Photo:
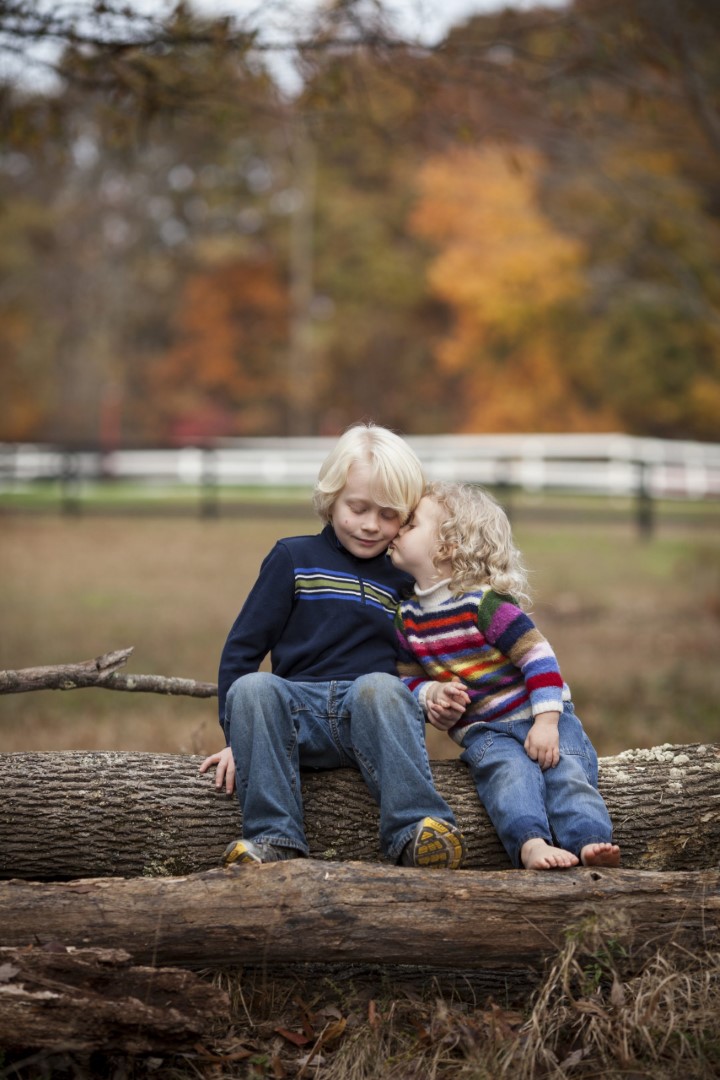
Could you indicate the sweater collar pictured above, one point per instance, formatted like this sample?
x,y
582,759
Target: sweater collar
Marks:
x,y
434,596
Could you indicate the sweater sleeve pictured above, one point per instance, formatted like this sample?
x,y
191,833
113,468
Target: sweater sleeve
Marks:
x,y
515,635
409,669
260,622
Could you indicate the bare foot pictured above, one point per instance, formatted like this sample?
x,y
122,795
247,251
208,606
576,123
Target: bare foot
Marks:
x,y
536,854
600,855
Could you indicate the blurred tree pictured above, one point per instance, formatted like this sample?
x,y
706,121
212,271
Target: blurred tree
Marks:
x,y
132,204
163,172
621,101
507,273
223,372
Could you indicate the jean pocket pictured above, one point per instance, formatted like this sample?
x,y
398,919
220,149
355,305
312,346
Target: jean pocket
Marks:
x,y
478,748
572,738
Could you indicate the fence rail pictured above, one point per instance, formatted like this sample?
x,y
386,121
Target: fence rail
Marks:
x,y
611,465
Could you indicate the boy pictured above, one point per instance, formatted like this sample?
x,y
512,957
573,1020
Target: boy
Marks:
x,y
323,607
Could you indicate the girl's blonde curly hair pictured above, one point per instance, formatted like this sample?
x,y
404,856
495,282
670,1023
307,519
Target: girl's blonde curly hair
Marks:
x,y
475,535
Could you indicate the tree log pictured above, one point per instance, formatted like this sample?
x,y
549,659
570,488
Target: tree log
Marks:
x,y
74,814
96,999
309,910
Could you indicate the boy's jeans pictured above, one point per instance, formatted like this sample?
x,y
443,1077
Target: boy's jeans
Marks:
x,y
373,724
561,805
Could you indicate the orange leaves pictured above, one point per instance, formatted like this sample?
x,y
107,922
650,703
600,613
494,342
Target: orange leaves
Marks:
x,y
331,1023
500,260
503,269
227,318
230,333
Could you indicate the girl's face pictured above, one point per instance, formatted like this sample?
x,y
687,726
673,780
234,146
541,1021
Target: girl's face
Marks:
x,y
418,542
362,526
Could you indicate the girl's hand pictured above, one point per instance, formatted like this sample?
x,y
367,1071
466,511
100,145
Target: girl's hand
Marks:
x,y
543,741
445,703
225,771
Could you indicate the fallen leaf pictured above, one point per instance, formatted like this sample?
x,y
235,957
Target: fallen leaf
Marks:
x,y
295,1037
237,1055
332,1032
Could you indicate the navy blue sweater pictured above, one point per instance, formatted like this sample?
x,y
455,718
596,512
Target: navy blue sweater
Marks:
x,y
319,611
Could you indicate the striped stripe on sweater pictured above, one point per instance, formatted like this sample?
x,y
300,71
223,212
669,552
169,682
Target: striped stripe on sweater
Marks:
x,y
508,668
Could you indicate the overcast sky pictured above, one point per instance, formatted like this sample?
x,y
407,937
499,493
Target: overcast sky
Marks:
x,y
427,21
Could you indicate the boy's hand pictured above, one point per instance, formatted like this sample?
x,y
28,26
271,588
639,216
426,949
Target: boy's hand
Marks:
x,y
543,741
225,769
445,703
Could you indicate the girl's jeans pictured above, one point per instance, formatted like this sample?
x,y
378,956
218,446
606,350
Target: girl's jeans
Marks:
x,y
560,805
373,724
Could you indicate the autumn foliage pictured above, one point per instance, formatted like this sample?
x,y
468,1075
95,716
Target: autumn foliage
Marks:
x,y
515,230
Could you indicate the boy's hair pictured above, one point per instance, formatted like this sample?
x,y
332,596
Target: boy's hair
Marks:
x,y
476,536
396,480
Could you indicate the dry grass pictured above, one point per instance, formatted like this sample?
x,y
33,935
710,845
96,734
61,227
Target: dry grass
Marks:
x,y
636,625
604,1009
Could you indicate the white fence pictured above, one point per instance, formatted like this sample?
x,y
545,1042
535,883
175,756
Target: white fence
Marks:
x,y
597,464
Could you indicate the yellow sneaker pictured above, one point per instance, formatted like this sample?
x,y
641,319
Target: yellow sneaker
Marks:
x,y
435,844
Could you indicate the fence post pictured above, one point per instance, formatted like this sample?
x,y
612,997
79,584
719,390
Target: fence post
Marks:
x,y
644,508
209,501
504,486
70,482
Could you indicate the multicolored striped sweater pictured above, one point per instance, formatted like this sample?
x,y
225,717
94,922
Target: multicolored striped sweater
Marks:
x,y
508,668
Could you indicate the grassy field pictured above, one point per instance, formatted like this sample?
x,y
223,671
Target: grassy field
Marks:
x,y
636,624
637,628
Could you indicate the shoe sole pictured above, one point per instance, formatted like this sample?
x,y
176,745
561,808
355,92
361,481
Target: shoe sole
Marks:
x,y
237,853
438,846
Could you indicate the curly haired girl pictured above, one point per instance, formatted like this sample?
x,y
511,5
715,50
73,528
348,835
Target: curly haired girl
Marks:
x,y
483,672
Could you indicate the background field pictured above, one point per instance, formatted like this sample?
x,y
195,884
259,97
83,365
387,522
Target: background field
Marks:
x,y
636,624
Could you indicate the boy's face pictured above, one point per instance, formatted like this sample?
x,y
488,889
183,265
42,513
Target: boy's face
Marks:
x,y
363,527
418,542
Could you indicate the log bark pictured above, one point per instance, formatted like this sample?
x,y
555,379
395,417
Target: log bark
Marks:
x,y
91,814
309,910
100,673
96,999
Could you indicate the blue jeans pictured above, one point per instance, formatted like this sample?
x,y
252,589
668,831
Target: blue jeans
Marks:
x,y
561,805
373,724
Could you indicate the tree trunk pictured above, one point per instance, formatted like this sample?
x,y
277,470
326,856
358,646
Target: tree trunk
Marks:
x,y
76,814
96,999
309,910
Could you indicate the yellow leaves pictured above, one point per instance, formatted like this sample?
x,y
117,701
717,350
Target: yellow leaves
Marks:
x,y
500,259
502,268
530,392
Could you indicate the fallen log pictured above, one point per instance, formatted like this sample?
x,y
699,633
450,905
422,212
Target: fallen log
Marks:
x,y
68,999
78,814
309,910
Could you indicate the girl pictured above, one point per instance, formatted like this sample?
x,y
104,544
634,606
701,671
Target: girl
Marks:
x,y
482,671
